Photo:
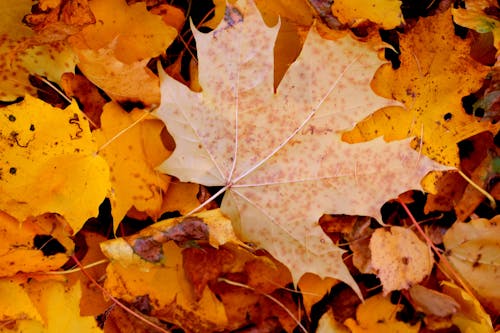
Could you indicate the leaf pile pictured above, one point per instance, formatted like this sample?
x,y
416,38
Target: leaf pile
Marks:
x,y
266,174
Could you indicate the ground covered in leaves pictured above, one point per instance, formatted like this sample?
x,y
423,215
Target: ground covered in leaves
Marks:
x,y
277,166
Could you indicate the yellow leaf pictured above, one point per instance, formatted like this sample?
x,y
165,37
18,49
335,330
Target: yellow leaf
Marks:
x,y
19,251
48,163
16,304
181,197
378,314
43,307
59,307
399,258
135,183
471,318
434,62
385,13
50,60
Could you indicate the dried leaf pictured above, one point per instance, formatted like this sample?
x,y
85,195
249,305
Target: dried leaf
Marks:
x,y
399,258
237,133
48,163
472,248
432,302
17,62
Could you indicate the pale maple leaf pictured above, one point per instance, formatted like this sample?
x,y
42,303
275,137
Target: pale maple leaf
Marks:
x,y
279,156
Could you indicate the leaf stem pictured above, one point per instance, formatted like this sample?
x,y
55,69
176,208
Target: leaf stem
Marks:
x,y
481,190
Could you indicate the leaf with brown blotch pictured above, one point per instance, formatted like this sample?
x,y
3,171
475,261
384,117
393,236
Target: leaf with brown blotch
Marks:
x,y
279,156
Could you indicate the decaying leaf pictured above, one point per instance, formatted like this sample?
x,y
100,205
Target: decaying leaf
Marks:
x,y
280,156
378,314
434,62
48,163
432,302
134,181
399,258
17,61
472,248
385,13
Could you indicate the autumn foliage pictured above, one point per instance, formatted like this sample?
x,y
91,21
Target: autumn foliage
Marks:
x,y
267,166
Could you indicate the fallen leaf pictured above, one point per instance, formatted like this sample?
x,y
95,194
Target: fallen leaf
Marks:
x,y
237,133
471,317
39,244
474,16
472,249
45,307
92,301
432,302
57,21
313,289
134,181
433,62
172,296
114,53
17,62
385,13
49,163
378,314
328,324
181,197
399,258
91,100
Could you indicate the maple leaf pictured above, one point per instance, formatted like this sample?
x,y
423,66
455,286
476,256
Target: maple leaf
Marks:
x,y
134,181
279,156
386,13
48,163
114,54
433,62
